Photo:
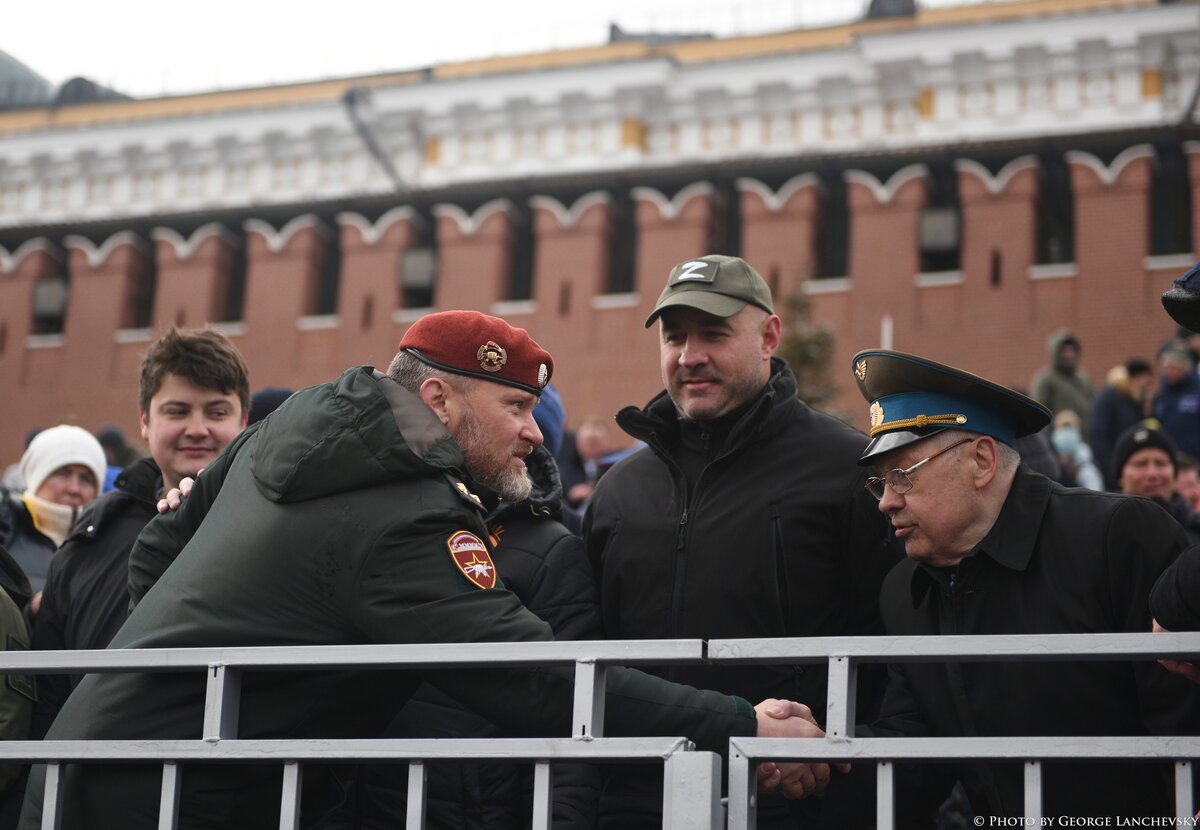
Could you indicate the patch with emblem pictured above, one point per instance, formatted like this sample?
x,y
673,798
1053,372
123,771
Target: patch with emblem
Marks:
x,y
876,415
860,369
471,556
491,356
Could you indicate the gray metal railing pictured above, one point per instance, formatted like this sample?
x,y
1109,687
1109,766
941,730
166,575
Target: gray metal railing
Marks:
x,y
692,781
845,654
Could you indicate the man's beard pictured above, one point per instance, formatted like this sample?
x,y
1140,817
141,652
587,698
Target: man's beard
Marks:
x,y
490,466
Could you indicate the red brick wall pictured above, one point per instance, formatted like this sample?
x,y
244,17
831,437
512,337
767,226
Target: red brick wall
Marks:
x,y
605,358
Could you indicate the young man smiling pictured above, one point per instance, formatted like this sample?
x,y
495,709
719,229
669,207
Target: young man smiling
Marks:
x,y
193,398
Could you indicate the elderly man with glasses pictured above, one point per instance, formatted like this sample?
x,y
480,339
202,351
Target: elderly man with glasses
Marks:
x,y
995,548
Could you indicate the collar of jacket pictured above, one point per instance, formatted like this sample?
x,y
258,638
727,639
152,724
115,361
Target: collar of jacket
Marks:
x,y
545,500
658,422
1011,540
140,482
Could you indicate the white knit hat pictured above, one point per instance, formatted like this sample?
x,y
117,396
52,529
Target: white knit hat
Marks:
x,y
57,447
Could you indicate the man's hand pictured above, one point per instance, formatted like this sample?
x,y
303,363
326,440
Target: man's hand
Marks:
x,y
787,719
175,497
1185,667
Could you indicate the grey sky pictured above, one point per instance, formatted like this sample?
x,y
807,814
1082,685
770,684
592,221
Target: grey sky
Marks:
x,y
147,48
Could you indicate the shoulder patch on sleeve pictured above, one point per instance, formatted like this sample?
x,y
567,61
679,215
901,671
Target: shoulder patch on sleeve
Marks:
x,y
471,556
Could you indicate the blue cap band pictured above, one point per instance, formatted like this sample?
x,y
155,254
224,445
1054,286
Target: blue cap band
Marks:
x,y
923,410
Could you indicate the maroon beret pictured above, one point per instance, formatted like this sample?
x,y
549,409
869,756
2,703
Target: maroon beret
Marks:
x,y
474,344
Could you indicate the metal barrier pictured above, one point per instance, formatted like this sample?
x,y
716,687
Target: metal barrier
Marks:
x,y
692,781
844,655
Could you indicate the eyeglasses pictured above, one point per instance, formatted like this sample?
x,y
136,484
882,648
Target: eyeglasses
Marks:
x,y
899,479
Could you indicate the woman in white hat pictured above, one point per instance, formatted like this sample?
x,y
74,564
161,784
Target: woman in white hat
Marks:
x,y
63,468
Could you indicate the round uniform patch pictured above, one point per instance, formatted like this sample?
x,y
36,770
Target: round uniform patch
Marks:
x,y
471,556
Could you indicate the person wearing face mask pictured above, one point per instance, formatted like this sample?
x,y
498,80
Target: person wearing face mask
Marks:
x,y
1074,455
63,468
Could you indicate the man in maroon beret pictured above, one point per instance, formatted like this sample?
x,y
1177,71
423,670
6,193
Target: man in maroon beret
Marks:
x,y
354,514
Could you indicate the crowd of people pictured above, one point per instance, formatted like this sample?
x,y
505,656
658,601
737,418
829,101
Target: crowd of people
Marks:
x,y
443,499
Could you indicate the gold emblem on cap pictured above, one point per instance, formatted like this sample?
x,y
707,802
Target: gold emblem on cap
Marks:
x,y
492,357
543,376
876,415
860,369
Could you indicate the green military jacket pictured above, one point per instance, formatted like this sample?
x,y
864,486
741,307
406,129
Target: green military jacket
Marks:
x,y
342,518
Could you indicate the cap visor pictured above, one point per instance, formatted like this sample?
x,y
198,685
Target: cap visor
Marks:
x,y
889,441
1183,306
712,303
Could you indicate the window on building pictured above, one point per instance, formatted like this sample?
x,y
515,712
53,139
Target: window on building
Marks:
x,y
1170,202
232,305
622,251
831,238
140,285
329,274
418,266
50,295
725,236
1055,211
939,230
523,253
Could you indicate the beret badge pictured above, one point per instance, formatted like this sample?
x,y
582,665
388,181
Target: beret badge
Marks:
x,y
543,376
492,357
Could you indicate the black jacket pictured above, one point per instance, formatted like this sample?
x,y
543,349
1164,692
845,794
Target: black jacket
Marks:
x,y
779,539
29,547
86,598
1057,560
544,565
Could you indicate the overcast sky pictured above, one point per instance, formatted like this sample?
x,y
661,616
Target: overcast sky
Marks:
x,y
152,47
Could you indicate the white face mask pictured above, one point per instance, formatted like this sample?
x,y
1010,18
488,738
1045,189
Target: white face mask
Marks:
x,y
1066,440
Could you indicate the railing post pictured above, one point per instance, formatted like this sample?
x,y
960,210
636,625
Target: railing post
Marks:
x,y
1185,804
415,816
589,700
168,802
692,791
221,701
743,790
543,796
885,795
1033,790
841,702
289,806
52,801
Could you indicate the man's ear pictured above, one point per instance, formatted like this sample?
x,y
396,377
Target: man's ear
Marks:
x,y
772,333
987,460
143,426
436,394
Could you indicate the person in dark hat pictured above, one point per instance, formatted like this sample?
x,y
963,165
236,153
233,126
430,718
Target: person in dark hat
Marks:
x,y
994,548
1147,464
265,401
355,514
743,516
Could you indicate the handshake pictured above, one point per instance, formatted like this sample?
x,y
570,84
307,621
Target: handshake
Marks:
x,y
787,719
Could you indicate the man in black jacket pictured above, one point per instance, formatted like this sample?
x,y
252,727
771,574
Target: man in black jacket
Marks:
x,y
995,548
193,398
745,516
